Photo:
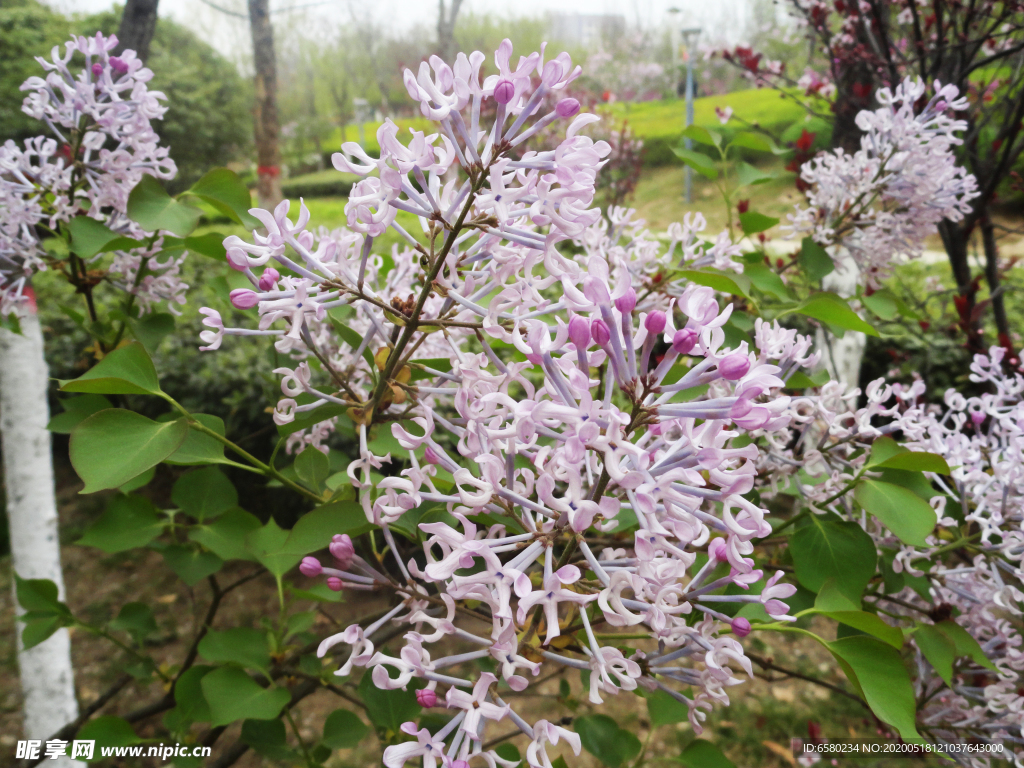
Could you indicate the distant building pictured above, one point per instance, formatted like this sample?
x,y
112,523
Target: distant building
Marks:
x,y
586,30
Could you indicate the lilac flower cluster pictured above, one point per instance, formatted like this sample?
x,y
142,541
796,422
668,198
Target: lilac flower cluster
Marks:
x,y
100,145
573,417
979,504
886,198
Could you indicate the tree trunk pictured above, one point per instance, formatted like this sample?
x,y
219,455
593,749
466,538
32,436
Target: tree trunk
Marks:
x,y
266,128
446,30
47,679
988,239
138,23
956,242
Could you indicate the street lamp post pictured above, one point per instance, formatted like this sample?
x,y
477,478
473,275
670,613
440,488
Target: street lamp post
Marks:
x,y
688,35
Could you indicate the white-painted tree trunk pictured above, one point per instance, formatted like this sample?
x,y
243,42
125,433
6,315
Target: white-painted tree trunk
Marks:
x,y
47,679
842,357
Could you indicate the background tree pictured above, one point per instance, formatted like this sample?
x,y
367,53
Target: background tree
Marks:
x,y
267,129
977,47
138,23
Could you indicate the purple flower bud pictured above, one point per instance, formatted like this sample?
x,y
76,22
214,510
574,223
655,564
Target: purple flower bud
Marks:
x,y
655,322
118,64
334,584
460,764
342,550
740,627
311,567
431,457
97,69
600,332
977,417
579,332
718,550
504,91
243,298
567,107
684,341
426,697
734,366
627,302
269,278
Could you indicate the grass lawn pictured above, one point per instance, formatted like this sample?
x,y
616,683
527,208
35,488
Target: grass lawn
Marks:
x,y
650,119
764,106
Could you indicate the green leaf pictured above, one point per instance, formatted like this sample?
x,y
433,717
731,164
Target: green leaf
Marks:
x,y
233,695
312,467
703,136
510,752
199,447
753,222
190,703
884,680
39,596
38,629
125,371
900,510
111,447
224,190
315,529
268,545
226,536
830,548
831,598
204,493
870,624
736,284
76,410
602,737
128,522
964,644
153,209
389,709
800,380
917,461
210,244
883,449
815,260
664,709
700,162
192,565
938,649
136,619
108,731
349,336
882,304
318,593
746,175
139,481
152,329
756,141
267,738
89,237
343,729
704,754
831,309
240,645
766,281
